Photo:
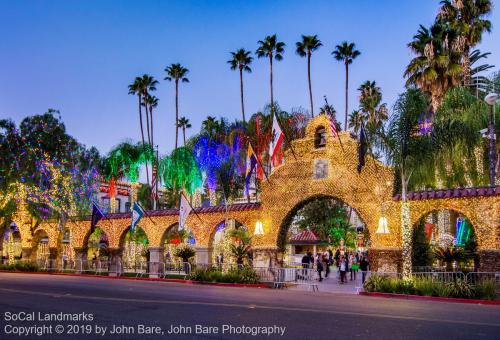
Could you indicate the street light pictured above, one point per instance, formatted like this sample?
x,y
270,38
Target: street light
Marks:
x,y
491,99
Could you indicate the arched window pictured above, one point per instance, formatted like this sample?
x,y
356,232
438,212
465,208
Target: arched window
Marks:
x,y
320,137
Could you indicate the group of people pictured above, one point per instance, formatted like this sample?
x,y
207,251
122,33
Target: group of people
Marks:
x,y
346,262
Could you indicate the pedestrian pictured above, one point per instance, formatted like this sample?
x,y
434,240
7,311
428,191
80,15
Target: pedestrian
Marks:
x,y
325,263
330,256
363,265
342,268
353,266
306,260
319,266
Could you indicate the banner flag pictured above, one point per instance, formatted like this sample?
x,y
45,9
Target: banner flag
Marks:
x,y
137,213
184,210
251,164
97,215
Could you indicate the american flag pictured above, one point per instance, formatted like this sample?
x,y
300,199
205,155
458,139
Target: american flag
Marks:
x,y
332,123
154,182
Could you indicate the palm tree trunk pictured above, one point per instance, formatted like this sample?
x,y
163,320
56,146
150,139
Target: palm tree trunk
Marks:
x,y
241,95
271,80
466,68
184,135
147,124
176,112
309,79
142,132
346,94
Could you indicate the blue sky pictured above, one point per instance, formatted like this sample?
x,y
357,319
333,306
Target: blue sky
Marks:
x,y
79,57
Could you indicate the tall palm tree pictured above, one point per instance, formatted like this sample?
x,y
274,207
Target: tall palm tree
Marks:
x,y
346,52
176,73
135,89
370,104
184,124
436,66
241,60
467,18
147,85
151,102
271,48
305,48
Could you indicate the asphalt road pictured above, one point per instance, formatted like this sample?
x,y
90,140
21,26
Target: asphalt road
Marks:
x,y
136,307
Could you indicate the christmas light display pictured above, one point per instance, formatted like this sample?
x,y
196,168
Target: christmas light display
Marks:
x,y
179,171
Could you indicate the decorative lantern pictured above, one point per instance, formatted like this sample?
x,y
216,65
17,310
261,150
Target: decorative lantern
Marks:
x,y
259,228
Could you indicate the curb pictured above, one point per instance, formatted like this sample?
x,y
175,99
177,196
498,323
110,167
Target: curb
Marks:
x,y
431,298
220,284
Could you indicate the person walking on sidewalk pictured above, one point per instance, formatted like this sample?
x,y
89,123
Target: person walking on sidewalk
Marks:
x,y
363,265
343,269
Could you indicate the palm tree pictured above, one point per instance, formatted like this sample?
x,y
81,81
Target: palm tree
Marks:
x,y
305,48
270,47
147,85
466,17
408,155
356,120
370,98
241,60
176,73
184,124
436,67
346,53
135,89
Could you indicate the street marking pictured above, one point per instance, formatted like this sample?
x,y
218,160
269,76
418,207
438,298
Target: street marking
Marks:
x,y
246,306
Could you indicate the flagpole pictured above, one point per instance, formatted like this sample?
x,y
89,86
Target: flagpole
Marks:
x,y
330,113
286,138
192,209
259,162
145,213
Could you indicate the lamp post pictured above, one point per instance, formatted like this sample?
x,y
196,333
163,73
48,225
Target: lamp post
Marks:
x,y
491,99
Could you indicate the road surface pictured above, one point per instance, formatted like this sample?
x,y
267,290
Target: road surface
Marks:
x,y
43,306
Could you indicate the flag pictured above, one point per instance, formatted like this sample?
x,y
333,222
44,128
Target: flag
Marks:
x,y
276,140
154,181
137,213
251,164
184,210
333,127
362,148
97,215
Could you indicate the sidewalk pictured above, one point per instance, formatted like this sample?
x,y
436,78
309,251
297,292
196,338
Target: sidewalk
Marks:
x,y
332,284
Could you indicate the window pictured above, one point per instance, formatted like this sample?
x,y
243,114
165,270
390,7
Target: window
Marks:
x,y
118,205
320,137
127,206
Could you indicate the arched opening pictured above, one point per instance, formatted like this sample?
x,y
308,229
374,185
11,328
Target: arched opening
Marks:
x,y
322,225
444,240
230,244
11,244
97,245
178,244
320,137
135,248
41,251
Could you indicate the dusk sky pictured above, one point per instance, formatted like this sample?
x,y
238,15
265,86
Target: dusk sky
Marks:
x,y
79,56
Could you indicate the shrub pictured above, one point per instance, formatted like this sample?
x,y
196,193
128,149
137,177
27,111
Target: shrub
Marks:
x,y
460,289
486,289
235,275
425,287
20,266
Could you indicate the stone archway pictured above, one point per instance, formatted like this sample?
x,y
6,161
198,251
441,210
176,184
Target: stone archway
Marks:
x,y
329,171
220,241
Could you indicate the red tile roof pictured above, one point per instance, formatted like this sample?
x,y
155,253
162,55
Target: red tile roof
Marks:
x,y
305,237
203,210
451,193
